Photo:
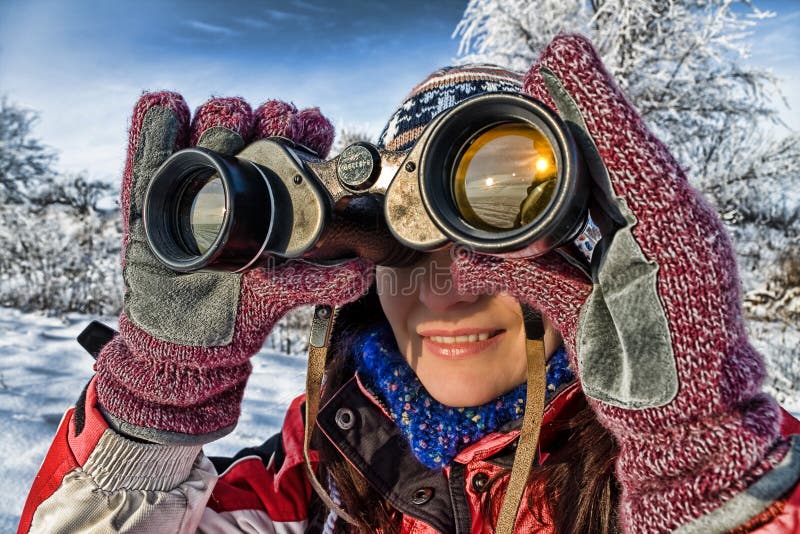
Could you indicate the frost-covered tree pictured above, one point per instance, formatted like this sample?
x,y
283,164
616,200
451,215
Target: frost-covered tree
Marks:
x,y
58,251
73,190
347,135
682,64
24,160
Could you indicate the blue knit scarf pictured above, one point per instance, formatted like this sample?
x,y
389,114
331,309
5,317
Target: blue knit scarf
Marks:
x,y
435,432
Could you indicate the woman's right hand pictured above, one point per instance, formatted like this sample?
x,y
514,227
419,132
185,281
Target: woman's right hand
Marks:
x,y
658,335
176,371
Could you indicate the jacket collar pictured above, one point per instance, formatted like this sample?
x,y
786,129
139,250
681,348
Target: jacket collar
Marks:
x,y
354,422
364,434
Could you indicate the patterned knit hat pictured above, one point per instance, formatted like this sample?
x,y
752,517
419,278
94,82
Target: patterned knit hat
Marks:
x,y
439,92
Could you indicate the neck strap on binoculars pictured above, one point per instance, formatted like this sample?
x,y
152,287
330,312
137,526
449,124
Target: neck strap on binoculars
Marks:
x,y
319,340
321,328
531,421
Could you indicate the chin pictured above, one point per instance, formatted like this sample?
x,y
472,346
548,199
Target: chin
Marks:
x,y
461,393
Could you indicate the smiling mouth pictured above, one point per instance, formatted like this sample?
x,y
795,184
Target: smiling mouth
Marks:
x,y
478,336
463,346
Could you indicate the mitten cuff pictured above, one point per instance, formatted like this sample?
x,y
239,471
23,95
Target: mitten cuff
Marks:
x,y
118,462
682,474
755,499
164,423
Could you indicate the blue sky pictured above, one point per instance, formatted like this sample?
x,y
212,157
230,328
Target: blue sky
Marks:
x,y
83,64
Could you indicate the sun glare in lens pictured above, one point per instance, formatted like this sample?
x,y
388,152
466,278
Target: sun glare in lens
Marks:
x,y
208,212
505,178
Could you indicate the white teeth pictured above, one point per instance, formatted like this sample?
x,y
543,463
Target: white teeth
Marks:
x,y
461,339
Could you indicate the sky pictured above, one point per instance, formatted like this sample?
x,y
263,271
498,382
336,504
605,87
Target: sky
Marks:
x,y
83,64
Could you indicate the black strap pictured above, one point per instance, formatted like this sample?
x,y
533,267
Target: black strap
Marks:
x,y
272,448
95,336
79,417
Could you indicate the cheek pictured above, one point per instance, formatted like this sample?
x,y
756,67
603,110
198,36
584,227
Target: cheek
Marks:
x,y
396,306
509,306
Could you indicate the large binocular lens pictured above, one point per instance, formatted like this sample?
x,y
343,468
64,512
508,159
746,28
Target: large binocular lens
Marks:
x,y
505,178
500,173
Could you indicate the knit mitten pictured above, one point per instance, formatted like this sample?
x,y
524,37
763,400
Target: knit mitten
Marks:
x,y
658,334
176,371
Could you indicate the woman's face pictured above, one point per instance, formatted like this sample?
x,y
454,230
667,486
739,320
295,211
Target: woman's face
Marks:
x,y
466,349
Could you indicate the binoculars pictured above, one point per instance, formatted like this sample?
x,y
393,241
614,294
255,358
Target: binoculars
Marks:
x,y
497,173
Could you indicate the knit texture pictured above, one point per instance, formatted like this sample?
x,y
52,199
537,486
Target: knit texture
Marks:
x,y
308,127
195,390
721,433
435,432
233,113
439,92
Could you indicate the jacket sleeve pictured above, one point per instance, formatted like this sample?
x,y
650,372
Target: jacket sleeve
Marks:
x,y
96,480
265,488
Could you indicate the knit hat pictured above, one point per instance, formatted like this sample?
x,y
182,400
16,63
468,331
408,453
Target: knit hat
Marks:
x,y
439,92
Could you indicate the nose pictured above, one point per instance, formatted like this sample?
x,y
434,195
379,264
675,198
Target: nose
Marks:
x,y
437,291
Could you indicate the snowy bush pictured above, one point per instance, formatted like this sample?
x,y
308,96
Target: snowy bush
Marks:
x,y
58,251
60,257
290,334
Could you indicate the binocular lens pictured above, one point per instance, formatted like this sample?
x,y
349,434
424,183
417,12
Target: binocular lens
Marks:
x,y
505,177
207,209
207,213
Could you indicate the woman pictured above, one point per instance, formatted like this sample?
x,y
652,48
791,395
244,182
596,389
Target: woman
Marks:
x,y
665,429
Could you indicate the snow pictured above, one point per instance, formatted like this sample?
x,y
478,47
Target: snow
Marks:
x,y
43,369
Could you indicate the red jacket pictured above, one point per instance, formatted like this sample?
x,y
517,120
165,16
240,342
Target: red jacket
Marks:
x,y
93,476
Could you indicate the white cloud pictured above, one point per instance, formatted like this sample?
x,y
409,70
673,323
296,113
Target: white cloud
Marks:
x,y
212,29
279,15
253,23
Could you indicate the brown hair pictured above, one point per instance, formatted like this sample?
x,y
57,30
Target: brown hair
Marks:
x,y
575,489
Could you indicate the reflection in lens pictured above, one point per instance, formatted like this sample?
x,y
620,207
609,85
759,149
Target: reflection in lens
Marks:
x,y
505,178
207,213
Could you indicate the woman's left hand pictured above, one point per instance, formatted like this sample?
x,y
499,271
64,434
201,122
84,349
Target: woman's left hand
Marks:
x,y
659,336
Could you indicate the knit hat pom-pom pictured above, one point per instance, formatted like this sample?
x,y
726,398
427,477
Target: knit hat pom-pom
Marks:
x,y
275,117
313,130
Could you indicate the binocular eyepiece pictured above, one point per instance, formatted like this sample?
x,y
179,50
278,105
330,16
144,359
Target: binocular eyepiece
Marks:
x,y
498,173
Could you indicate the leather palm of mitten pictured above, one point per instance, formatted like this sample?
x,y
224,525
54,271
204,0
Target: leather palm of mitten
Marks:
x,y
176,371
658,333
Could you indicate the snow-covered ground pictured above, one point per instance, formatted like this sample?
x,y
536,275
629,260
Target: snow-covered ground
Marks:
x,y
43,370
